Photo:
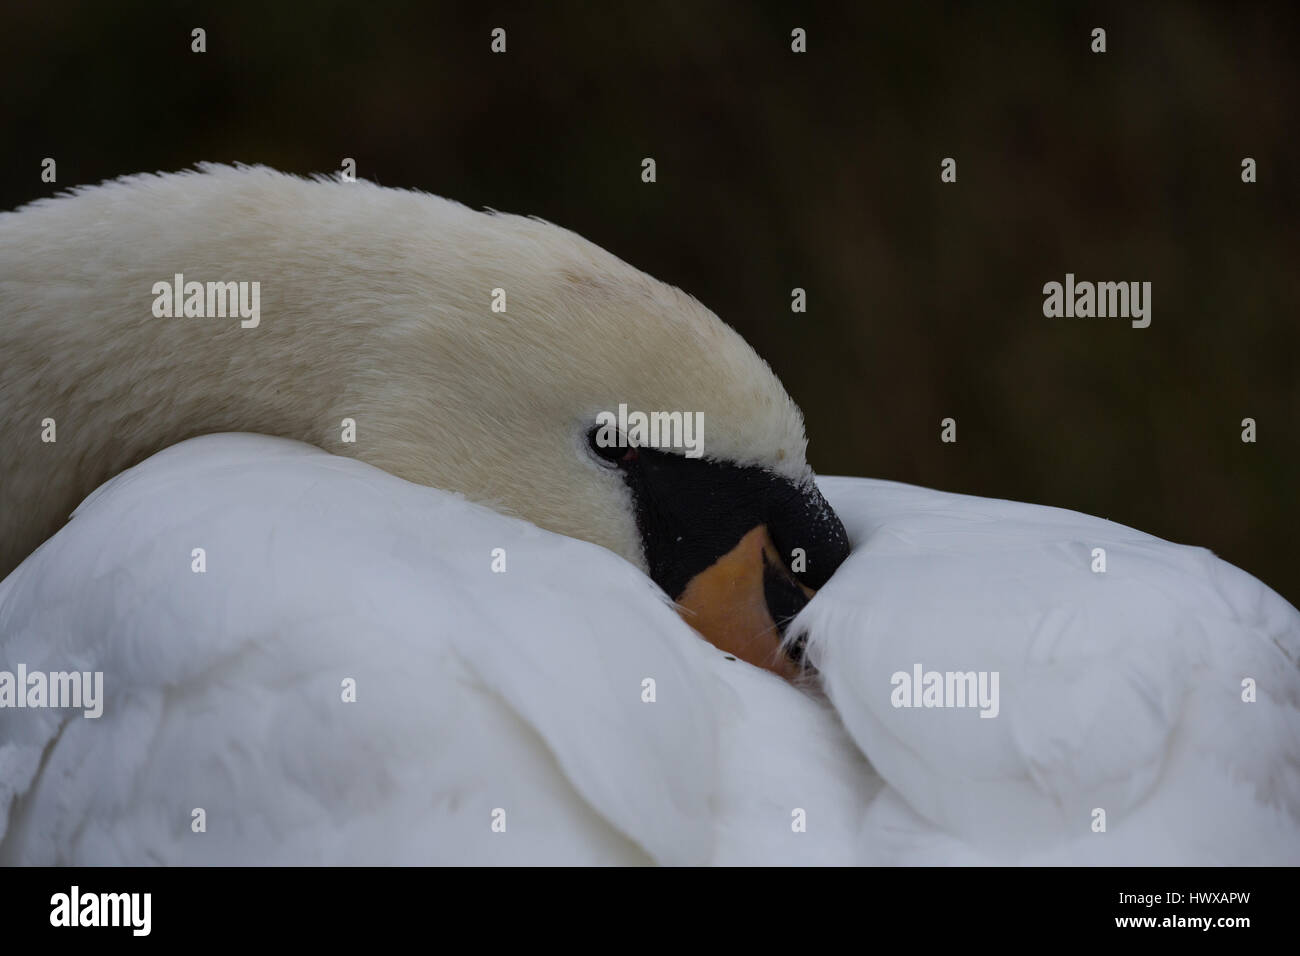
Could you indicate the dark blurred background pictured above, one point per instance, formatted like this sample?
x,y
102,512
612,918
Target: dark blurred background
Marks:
x,y
819,170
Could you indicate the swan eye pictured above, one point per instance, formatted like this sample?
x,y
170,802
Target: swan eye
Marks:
x,y
619,454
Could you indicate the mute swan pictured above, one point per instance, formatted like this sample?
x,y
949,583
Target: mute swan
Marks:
x,y
377,322
450,641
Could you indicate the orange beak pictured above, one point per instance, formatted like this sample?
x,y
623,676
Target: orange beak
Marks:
x,y
729,603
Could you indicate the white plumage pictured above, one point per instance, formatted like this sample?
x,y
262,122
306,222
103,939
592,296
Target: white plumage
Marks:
x,y
523,697
1120,691
474,690
523,690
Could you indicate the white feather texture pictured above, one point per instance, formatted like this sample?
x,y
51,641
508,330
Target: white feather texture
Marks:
x,y
524,690
224,688
1119,690
476,690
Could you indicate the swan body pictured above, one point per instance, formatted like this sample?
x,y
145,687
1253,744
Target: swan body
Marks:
x,y
523,691
223,688
1121,690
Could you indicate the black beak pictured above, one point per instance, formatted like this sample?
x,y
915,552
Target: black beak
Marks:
x,y
740,549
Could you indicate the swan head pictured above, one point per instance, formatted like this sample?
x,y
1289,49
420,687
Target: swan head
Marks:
x,y
497,356
602,404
